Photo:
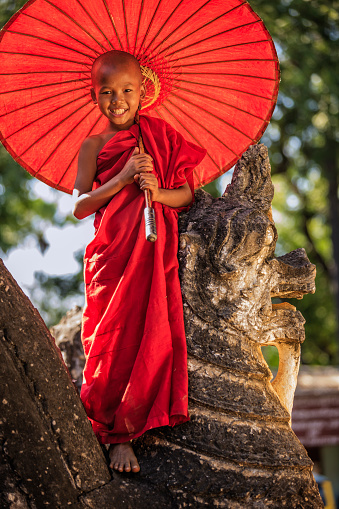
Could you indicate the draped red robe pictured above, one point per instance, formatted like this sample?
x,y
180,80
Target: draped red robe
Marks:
x,y
133,335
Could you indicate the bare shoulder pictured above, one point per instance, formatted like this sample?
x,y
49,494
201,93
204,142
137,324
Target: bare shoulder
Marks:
x,y
87,166
91,145
87,160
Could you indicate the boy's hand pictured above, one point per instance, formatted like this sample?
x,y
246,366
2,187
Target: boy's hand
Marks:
x,y
149,181
136,164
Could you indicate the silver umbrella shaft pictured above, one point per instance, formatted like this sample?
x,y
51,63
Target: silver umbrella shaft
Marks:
x,y
150,225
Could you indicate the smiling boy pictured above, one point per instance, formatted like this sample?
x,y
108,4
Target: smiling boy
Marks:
x,y
118,91
135,376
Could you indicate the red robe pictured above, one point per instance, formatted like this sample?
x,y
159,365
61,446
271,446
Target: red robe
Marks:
x,y
133,335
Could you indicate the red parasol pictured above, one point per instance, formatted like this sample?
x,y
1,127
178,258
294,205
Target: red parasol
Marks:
x,y
210,69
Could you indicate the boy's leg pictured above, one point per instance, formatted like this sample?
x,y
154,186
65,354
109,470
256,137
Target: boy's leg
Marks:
x,y
122,457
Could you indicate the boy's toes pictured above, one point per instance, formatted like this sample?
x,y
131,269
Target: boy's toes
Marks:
x,y
123,458
135,466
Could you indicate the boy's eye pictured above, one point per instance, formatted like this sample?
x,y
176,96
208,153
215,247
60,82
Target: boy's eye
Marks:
x,y
128,90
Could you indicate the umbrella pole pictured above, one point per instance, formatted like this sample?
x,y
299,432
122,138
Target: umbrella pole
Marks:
x,y
150,225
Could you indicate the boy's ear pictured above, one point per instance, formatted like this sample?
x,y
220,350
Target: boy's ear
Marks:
x,y
94,99
142,92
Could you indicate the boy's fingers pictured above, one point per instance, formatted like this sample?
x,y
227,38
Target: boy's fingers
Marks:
x,y
146,183
145,157
145,164
148,174
144,169
135,151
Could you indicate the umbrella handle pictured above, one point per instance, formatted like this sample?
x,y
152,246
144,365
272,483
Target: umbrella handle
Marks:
x,y
150,224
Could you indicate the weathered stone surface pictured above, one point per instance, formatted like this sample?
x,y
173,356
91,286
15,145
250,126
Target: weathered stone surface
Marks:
x,y
169,479
47,441
11,495
238,450
213,386
27,442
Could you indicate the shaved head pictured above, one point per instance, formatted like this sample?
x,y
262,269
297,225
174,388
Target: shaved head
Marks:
x,y
115,60
117,88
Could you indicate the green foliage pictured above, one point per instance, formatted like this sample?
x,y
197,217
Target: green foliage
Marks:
x,y
21,213
305,122
8,8
290,214
213,188
271,356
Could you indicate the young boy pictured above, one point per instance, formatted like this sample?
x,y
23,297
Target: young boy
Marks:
x,y
135,376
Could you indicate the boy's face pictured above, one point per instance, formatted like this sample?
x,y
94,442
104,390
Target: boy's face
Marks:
x,y
118,89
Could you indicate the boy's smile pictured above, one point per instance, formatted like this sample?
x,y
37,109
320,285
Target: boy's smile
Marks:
x,y
118,89
118,113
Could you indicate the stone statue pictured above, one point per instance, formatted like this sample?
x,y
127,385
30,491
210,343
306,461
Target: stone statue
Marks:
x,y
238,450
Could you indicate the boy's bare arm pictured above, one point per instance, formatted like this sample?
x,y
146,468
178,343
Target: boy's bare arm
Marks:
x,y
89,201
175,198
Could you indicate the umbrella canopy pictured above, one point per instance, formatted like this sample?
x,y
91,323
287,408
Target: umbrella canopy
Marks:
x,y
210,69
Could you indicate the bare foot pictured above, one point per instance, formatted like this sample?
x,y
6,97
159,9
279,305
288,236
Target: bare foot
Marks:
x,y
123,458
